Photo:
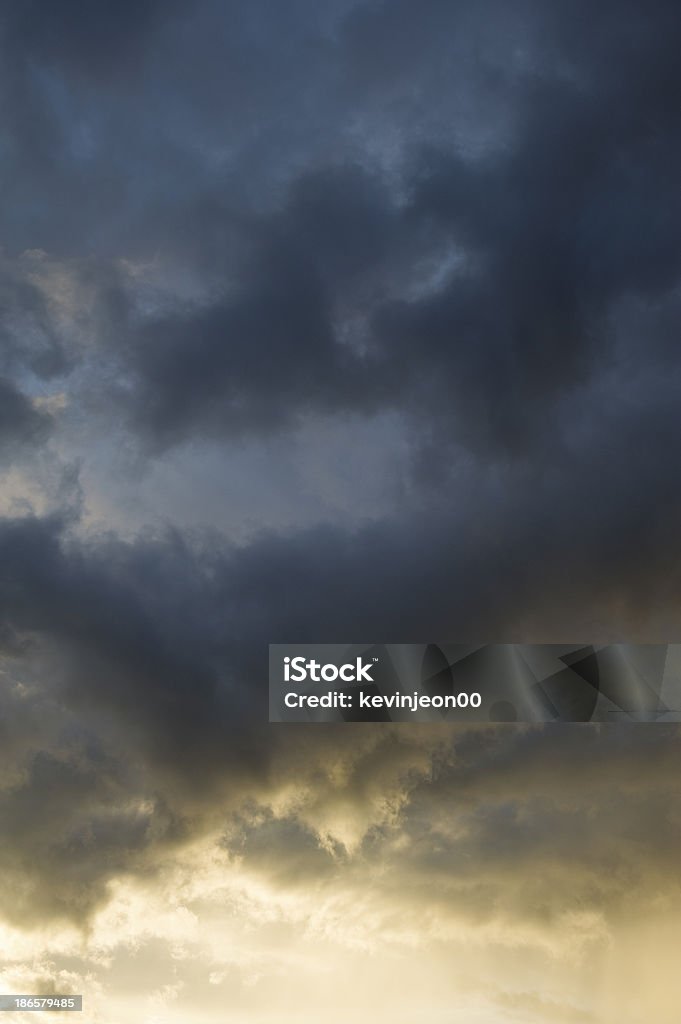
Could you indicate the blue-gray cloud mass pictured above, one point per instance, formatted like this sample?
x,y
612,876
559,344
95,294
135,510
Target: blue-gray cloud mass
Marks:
x,y
452,228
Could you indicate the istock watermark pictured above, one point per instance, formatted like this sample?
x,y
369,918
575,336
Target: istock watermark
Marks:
x,y
467,683
297,670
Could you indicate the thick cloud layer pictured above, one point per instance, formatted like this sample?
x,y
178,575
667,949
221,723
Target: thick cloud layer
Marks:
x,y
278,250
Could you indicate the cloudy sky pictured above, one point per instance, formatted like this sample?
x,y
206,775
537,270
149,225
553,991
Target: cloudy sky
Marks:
x,y
321,321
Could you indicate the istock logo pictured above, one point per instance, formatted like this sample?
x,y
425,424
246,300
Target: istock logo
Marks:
x,y
297,670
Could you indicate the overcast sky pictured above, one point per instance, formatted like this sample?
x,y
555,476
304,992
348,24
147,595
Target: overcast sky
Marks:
x,y
334,321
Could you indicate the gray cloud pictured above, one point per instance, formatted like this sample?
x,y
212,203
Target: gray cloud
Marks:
x,y
256,219
79,39
20,422
154,650
559,220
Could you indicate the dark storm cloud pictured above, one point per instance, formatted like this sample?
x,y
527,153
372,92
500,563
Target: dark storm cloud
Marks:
x,y
570,207
20,422
140,694
166,638
272,354
80,37
121,117
29,340
568,212
122,626
310,189
69,826
495,828
157,649
255,834
109,708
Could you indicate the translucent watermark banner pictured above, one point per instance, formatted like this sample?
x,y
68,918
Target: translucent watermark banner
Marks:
x,y
475,683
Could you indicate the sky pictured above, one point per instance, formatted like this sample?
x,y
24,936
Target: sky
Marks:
x,y
330,321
